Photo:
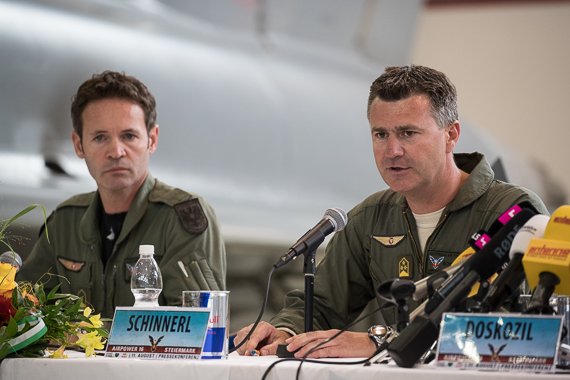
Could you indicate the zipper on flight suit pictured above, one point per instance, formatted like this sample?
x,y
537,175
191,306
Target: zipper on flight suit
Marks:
x,y
441,220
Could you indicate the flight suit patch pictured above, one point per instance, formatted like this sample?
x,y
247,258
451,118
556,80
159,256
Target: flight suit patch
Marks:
x,y
438,260
74,266
404,263
389,241
192,216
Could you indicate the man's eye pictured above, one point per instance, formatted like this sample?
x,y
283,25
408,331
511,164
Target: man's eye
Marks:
x,y
409,133
129,136
98,138
381,135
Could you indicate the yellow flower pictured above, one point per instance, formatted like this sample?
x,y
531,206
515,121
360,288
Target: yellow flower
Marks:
x,y
7,274
58,354
90,342
95,320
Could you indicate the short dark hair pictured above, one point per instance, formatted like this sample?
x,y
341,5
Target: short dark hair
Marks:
x,y
401,82
112,84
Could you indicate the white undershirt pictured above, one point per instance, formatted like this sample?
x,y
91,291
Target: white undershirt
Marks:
x,y
426,224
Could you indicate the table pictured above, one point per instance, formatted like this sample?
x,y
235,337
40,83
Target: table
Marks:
x,y
235,368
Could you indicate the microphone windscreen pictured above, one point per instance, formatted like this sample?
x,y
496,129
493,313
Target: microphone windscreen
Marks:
x,y
532,229
559,226
337,216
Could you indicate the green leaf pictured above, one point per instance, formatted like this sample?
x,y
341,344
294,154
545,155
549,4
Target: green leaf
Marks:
x,y
4,350
12,328
19,314
51,294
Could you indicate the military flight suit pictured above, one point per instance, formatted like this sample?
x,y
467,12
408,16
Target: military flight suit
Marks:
x,y
182,227
380,242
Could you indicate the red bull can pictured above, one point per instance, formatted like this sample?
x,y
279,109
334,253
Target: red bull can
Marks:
x,y
216,344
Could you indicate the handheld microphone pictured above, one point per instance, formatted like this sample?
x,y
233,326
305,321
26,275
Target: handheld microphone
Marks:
x,y
417,338
547,262
508,282
334,220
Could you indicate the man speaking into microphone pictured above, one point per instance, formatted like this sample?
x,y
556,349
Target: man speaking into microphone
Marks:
x,y
436,200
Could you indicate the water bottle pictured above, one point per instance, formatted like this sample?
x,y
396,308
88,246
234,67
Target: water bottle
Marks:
x,y
146,280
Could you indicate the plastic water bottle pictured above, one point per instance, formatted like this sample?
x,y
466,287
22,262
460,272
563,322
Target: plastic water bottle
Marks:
x,y
146,280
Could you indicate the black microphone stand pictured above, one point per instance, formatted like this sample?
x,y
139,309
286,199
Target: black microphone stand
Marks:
x,y
309,268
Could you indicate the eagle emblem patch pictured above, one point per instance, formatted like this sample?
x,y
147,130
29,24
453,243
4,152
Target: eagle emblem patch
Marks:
x,y
435,263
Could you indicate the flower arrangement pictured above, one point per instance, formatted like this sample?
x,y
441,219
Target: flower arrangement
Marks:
x,y
32,321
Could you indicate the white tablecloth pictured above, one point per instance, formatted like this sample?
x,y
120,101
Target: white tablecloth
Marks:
x,y
235,368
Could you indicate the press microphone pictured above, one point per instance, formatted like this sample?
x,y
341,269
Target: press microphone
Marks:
x,y
547,262
334,220
417,338
508,282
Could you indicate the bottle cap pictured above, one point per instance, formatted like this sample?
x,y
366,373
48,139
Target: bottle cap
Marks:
x,y
146,249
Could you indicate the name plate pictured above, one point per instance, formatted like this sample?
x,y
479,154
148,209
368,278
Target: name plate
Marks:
x,y
499,341
158,333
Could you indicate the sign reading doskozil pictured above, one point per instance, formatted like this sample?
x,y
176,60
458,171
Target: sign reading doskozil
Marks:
x,y
499,341
158,333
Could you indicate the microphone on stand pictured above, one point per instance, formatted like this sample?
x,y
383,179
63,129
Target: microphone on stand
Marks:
x,y
547,262
417,338
508,282
334,220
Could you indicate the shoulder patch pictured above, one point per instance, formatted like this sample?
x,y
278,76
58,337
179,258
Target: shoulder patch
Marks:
x,y
389,241
192,216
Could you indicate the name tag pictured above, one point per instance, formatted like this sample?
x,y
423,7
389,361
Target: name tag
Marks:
x,y
499,341
158,333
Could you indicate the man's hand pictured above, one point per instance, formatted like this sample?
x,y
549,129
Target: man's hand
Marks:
x,y
265,338
346,345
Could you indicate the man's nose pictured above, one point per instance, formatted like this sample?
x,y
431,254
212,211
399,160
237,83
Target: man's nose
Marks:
x,y
393,148
116,149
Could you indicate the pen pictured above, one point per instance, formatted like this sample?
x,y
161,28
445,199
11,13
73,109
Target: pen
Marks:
x,y
181,265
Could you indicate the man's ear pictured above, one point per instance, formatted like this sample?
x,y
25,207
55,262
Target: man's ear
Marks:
x,y
153,138
453,132
77,144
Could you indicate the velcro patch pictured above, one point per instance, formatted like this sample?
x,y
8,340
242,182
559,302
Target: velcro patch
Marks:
x,y
192,216
389,241
405,266
74,266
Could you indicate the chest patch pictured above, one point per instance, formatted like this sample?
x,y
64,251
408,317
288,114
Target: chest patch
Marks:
x,y
435,262
404,268
192,216
389,241
74,266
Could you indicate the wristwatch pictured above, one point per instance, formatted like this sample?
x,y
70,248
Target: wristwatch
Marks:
x,y
378,334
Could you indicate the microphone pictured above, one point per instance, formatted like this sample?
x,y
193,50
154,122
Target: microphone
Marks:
x,y
418,337
334,220
508,282
547,262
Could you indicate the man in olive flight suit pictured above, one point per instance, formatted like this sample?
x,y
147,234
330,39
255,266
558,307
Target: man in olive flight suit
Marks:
x,y
436,201
94,238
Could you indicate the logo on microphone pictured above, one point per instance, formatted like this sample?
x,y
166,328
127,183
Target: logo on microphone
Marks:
x,y
435,263
563,219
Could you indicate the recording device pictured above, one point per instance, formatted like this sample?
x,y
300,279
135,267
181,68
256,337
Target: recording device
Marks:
x,y
507,284
334,220
417,338
547,262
